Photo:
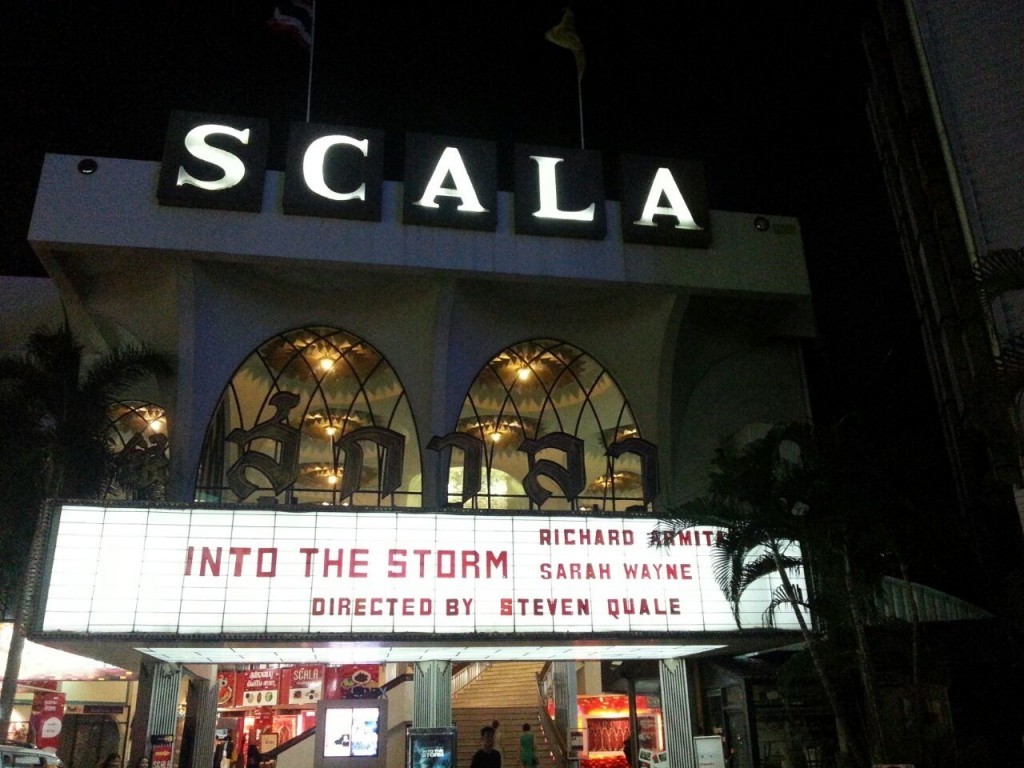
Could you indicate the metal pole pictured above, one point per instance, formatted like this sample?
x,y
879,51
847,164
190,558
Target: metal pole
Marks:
x,y
312,49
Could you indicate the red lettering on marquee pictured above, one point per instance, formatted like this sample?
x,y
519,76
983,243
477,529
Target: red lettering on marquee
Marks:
x,y
642,606
657,570
548,606
575,571
372,606
211,560
614,537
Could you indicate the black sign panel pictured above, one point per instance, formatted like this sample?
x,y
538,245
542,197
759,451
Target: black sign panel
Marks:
x,y
559,192
214,161
664,202
334,171
450,182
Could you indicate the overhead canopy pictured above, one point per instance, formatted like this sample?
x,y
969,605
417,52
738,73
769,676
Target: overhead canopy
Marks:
x,y
39,662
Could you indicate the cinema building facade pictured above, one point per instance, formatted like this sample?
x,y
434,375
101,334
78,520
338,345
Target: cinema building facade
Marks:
x,y
413,424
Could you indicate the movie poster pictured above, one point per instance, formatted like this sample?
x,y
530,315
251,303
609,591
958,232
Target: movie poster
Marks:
x,y
351,731
430,748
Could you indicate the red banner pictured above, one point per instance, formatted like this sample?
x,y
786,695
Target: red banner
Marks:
x,y
359,681
303,684
162,755
260,687
228,694
47,719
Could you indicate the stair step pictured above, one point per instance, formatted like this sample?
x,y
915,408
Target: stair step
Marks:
x,y
469,722
506,692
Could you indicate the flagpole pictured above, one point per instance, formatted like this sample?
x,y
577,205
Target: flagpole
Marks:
x,y
312,49
564,35
579,91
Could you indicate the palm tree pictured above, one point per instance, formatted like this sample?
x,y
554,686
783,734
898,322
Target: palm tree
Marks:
x,y
792,486
55,444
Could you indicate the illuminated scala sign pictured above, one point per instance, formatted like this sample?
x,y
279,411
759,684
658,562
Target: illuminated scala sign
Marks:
x,y
183,571
333,171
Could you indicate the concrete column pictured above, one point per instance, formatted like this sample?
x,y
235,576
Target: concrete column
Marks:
x,y
432,694
563,678
156,709
197,745
677,708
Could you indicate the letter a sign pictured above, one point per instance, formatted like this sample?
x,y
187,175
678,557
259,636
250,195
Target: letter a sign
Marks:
x,y
664,202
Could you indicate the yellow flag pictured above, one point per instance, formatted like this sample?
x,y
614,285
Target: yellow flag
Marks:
x,y
564,35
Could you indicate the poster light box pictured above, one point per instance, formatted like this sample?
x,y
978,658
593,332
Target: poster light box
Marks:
x,y
351,733
430,747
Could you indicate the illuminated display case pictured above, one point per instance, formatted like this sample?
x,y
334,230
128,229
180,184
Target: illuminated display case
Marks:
x,y
430,748
349,734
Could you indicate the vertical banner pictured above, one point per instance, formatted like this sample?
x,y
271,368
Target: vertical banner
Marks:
x,y
264,724
161,751
47,718
228,694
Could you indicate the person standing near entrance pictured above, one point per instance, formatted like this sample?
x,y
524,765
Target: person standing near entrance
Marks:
x,y
487,756
252,757
527,748
499,743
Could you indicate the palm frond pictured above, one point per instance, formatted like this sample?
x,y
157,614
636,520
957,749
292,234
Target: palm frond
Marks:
x,y
122,368
780,598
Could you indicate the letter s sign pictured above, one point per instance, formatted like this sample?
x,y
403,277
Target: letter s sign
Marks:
x,y
214,161
231,165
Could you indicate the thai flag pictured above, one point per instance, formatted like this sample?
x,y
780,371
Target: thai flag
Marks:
x,y
296,19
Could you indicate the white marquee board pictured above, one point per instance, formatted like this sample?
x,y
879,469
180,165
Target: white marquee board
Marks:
x,y
211,570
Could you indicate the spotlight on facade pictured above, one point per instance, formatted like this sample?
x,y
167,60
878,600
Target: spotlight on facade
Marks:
x,y
87,165
761,224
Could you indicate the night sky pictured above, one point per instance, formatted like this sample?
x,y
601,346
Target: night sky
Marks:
x,y
769,96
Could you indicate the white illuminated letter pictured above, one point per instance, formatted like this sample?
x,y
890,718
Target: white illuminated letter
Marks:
x,y
451,163
548,188
232,165
313,166
665,184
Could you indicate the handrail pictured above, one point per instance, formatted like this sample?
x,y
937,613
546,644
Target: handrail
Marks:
x,y
272,754
551,733
468,674
397,680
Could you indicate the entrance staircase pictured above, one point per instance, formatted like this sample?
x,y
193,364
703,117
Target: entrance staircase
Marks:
x,y
507,692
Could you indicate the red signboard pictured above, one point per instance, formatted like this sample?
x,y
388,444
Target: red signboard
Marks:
x,y
228,693
359,681
303,684
47,719
260,687
162,754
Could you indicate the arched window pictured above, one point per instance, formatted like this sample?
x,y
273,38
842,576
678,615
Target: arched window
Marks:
x,y
137,434
315,415
538,405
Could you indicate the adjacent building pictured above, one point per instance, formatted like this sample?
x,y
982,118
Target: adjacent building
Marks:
x,y
947,82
